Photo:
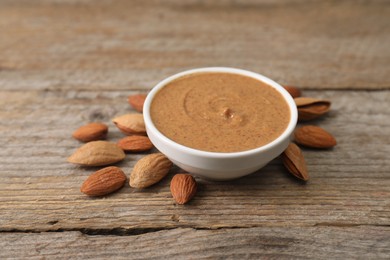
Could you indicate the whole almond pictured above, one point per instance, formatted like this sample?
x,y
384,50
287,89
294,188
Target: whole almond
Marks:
x,y
314,136
131,124
294,161
149,170
311,108
97,153
294,91
104,181
91,132
137,101
183,188
135,143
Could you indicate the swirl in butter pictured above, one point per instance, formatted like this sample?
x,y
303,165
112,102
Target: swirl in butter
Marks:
x,y
220,112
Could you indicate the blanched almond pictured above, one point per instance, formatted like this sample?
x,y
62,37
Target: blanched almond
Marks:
x,y
97,153
130,124
150,170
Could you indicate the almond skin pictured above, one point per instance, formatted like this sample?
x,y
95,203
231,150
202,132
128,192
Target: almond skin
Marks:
x,y
137,101
314,137
97,153
294,162
149,170
135,143
131,124
294,91
183,188
91,132
311,108
104,181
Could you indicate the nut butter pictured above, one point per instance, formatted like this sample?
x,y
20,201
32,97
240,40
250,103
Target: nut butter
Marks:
x,y
220,112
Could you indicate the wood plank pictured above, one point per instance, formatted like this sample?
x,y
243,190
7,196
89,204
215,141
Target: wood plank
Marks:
x,y
124,45
251,243
39,190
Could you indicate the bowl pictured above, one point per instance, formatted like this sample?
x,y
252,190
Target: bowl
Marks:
x,y
215,165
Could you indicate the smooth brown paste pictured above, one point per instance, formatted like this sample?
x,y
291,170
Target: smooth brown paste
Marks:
x,y
220,112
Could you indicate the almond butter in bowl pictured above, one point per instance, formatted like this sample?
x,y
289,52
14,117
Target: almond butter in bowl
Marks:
x,y
221,112
219,123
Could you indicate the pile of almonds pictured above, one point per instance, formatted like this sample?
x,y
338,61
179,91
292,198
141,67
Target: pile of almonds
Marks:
x,y
154,167
147,171
309,135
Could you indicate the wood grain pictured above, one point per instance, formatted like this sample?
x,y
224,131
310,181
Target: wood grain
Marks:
x,y
122,45
64,63
251,243
39,190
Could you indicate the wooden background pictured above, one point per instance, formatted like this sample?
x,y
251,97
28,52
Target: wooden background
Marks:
x,y
66,63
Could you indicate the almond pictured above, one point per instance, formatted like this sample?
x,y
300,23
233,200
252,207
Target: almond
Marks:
x,y
294,91
137,101
314,136
135,143
104,181
91,132
150,170
294,161
131,124
183,188
97,153
311,108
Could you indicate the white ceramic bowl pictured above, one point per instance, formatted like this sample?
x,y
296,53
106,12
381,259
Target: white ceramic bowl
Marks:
x,y
213,165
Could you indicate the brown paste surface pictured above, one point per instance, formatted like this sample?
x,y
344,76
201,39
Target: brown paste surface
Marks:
x,y
220,112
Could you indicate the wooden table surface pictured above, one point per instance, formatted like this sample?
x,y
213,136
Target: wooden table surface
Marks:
x,y
64,63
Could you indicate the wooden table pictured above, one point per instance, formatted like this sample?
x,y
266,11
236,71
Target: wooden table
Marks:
x,y
66,63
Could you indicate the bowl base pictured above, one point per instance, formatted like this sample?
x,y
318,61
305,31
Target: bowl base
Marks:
x,y
214,175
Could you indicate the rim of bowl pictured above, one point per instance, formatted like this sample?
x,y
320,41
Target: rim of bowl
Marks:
x,y
286,133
